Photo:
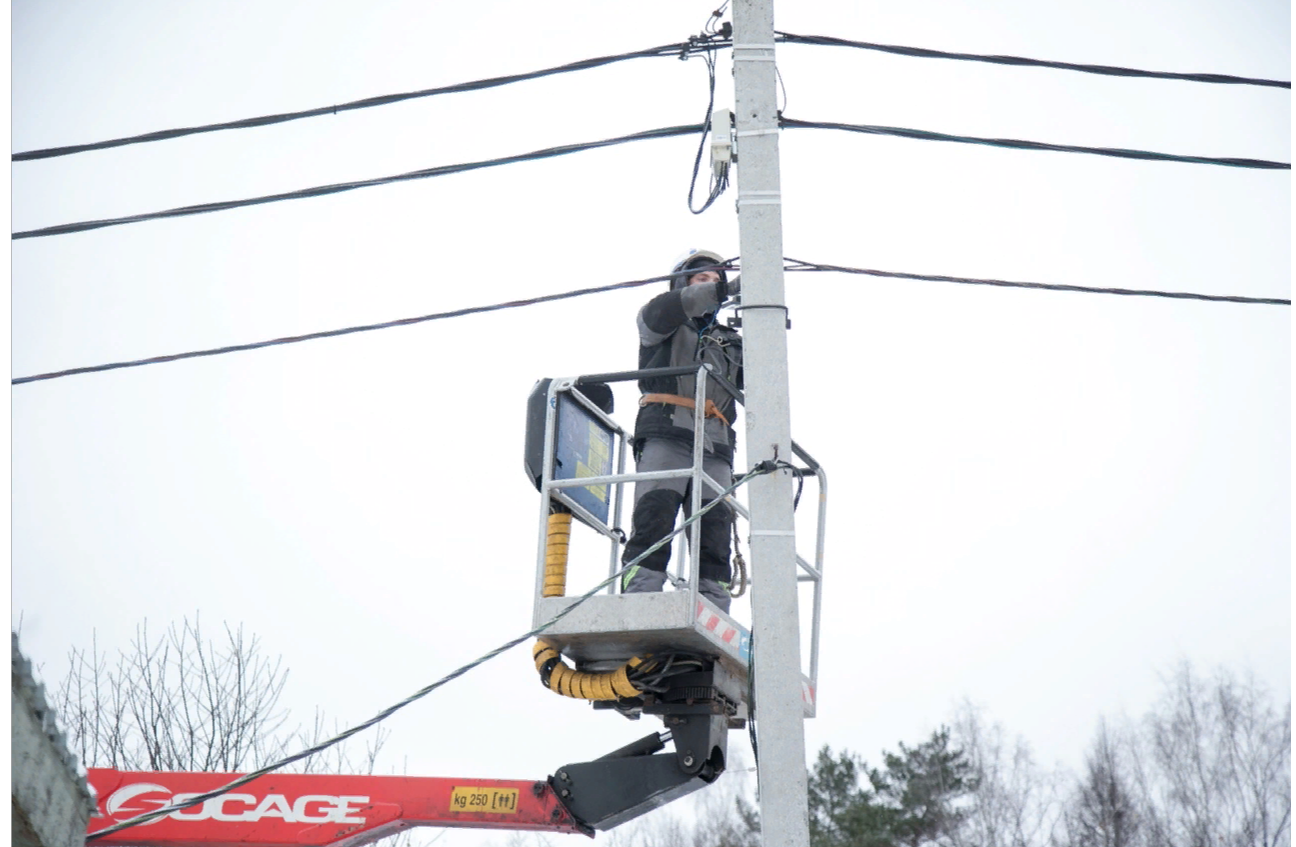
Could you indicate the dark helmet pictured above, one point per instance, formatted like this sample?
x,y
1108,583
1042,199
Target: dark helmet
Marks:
x,y
691,261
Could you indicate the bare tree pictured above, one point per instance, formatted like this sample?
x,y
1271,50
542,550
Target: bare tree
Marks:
x,y
725,813
1013,803
1103,811
183,702
1214,765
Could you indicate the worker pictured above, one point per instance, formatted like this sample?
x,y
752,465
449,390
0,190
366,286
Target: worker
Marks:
x,y
676,328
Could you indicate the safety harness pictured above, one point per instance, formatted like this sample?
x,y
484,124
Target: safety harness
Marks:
x,y
712,410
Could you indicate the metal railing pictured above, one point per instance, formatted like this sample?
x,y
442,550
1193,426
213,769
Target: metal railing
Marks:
x,y
687,555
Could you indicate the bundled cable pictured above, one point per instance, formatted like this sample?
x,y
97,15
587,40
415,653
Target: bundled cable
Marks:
x,y
796,265
324,190
561,679
1020,61
682,49
649,675
1018,144
653,674
333,333
557,540
720,174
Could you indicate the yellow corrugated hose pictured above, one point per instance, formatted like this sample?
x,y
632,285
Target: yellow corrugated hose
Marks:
x,y
557,676
556,543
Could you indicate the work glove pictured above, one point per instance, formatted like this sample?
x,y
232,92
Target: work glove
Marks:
x,y
730,290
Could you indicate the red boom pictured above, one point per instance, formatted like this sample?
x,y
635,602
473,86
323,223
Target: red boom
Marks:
x,y
298,810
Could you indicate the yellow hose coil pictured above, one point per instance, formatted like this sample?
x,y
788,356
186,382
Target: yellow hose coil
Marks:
x,y
556,542
557,676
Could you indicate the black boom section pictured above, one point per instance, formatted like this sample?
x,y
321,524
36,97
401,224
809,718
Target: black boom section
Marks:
x,y
637,778
608,792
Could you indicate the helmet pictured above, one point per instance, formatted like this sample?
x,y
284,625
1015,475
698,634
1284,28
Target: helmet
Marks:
x,y
695,258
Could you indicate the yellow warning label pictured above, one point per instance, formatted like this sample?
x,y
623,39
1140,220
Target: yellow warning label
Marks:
x,y
583,470
599,457
483,798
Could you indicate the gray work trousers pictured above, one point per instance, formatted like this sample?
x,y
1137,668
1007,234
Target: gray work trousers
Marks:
x,y
657,502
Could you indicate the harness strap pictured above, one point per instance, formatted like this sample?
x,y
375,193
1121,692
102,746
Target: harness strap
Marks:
x,y
712,410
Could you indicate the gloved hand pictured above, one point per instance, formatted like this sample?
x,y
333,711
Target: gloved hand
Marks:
x,y
731,290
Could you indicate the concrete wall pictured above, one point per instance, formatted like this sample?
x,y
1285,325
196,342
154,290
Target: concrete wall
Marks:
x,y
51,801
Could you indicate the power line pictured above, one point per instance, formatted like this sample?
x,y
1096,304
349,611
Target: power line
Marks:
x,y
323,190
795,265
333,333
769,467
680,49
677,49
1106,70
1017,144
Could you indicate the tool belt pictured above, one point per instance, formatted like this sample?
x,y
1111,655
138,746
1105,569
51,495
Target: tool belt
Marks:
x,y
712,410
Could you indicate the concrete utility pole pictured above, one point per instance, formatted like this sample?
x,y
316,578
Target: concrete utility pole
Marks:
x,y
776,631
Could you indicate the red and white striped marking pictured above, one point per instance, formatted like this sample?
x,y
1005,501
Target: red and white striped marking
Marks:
x,y
737,641
724,632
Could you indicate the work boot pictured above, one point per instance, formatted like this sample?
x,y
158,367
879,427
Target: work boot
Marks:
x,y
716,592
641,580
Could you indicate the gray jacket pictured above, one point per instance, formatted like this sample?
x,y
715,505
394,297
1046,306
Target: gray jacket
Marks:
x,y
679,328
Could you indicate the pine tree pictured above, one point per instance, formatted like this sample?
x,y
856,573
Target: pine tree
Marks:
x,y
912,802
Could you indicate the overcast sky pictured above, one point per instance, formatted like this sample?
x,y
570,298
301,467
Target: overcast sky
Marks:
x,y
1039,502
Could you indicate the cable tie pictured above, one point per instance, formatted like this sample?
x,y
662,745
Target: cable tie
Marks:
x,y
740,49
750,132
760,198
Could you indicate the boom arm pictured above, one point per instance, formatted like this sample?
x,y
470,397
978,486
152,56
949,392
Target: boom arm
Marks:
x,y
326,810
304,810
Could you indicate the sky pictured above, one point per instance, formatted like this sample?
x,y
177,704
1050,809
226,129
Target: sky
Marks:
x,y
1039,501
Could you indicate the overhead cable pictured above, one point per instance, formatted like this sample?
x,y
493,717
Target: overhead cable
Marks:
x,y
323,190
156,814
1017,144
333,333
795,265
1106,70
369,102
586,64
